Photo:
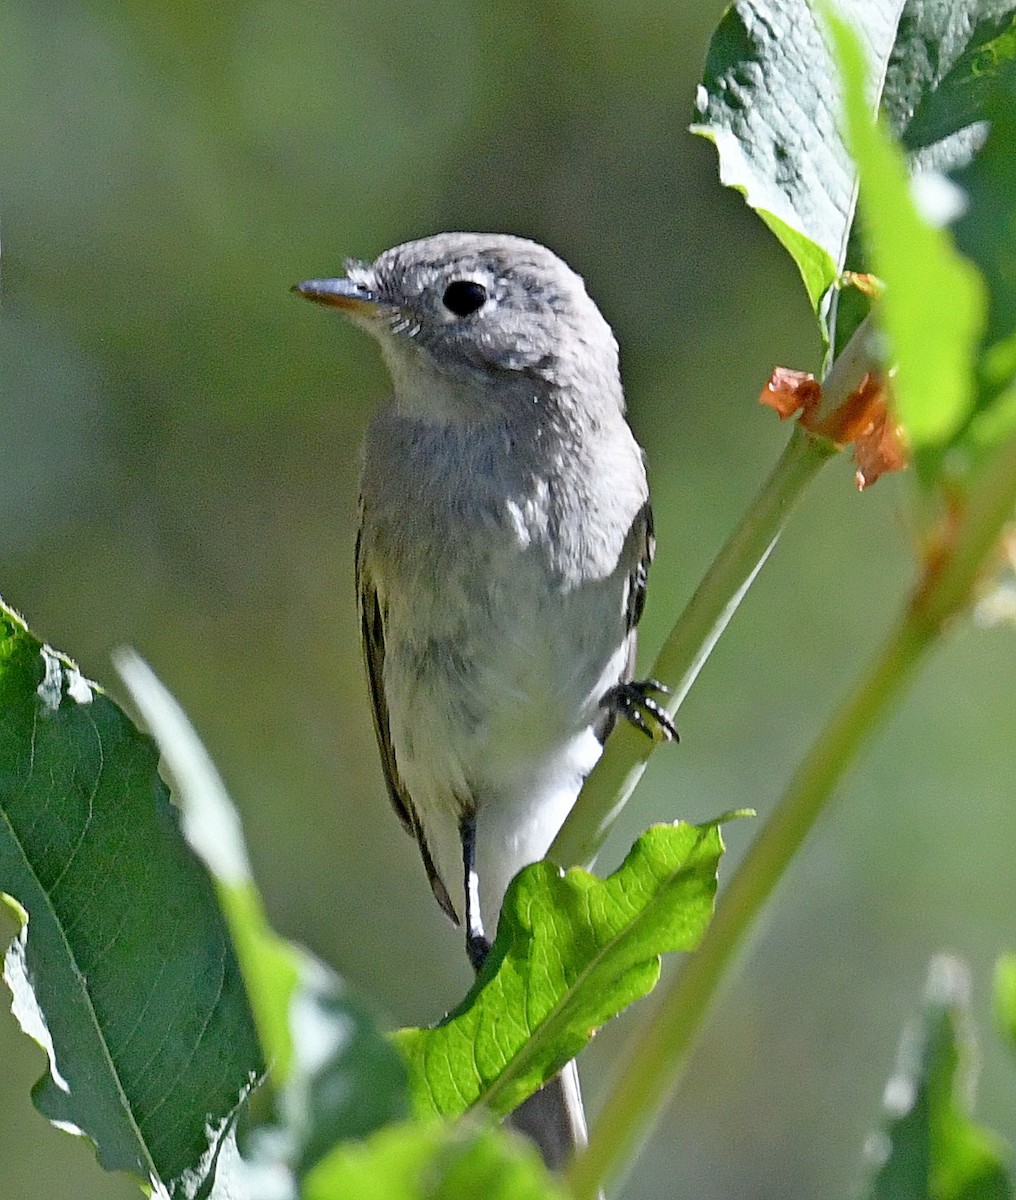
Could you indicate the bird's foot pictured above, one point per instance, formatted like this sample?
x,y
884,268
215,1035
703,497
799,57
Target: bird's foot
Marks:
x,y
634,701
477,949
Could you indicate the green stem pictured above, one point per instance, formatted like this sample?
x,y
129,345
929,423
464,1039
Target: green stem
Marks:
x,y
613,779
655,1060
657,1055
710,609
690,643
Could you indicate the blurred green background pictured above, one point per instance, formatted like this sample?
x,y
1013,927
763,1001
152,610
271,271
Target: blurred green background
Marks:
x,y
178,472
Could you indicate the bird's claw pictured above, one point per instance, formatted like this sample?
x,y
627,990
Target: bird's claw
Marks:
x,y
634,701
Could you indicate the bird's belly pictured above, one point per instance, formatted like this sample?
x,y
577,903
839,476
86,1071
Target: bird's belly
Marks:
x,y
495,712
509,675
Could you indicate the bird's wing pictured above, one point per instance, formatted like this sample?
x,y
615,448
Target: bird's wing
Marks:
x,y
639,547
644,539
372,638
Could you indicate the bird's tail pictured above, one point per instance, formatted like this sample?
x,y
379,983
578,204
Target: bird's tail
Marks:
x,y
553,1118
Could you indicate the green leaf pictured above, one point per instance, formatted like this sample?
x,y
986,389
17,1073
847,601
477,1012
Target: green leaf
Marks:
x,y
571,951
934,304
334,1075
944,81
434,1161
123,970
986,231
931,1149
1005,997
769,104
937,104
777,139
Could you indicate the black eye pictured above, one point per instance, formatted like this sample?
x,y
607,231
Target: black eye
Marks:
x,y
464,296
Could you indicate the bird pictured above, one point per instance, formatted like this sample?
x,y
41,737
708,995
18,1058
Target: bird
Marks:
x,y
501,566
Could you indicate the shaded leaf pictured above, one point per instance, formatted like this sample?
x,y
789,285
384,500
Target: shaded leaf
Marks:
x,y
434,1161
935,100
124,970
571,951
986,234
934,303
333,1074
941,83
931,1149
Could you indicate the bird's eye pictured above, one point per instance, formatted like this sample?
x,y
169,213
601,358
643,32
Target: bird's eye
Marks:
x,y
464,296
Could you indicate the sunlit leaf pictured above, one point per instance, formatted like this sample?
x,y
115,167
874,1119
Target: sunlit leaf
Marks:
x,y
571,951
770,103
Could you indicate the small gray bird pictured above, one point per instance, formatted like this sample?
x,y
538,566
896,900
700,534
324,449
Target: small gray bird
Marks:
x,y
501,564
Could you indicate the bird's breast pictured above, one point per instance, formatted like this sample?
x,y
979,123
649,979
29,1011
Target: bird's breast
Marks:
x,y
500,564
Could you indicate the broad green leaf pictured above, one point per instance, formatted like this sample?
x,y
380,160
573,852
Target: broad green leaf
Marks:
x,y
941,82
333,1073
765,102
434,1161
211,825
937,107
931,1149
934,304
986,231
571,951
123,970
769,102
1005,997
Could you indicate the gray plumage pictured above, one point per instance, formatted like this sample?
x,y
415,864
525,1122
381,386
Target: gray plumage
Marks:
x,y
503,549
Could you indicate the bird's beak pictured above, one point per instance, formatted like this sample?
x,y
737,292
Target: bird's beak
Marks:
x,y
353,298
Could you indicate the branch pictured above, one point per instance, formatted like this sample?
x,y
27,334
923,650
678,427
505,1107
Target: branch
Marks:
x,y
657,1055
613,779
